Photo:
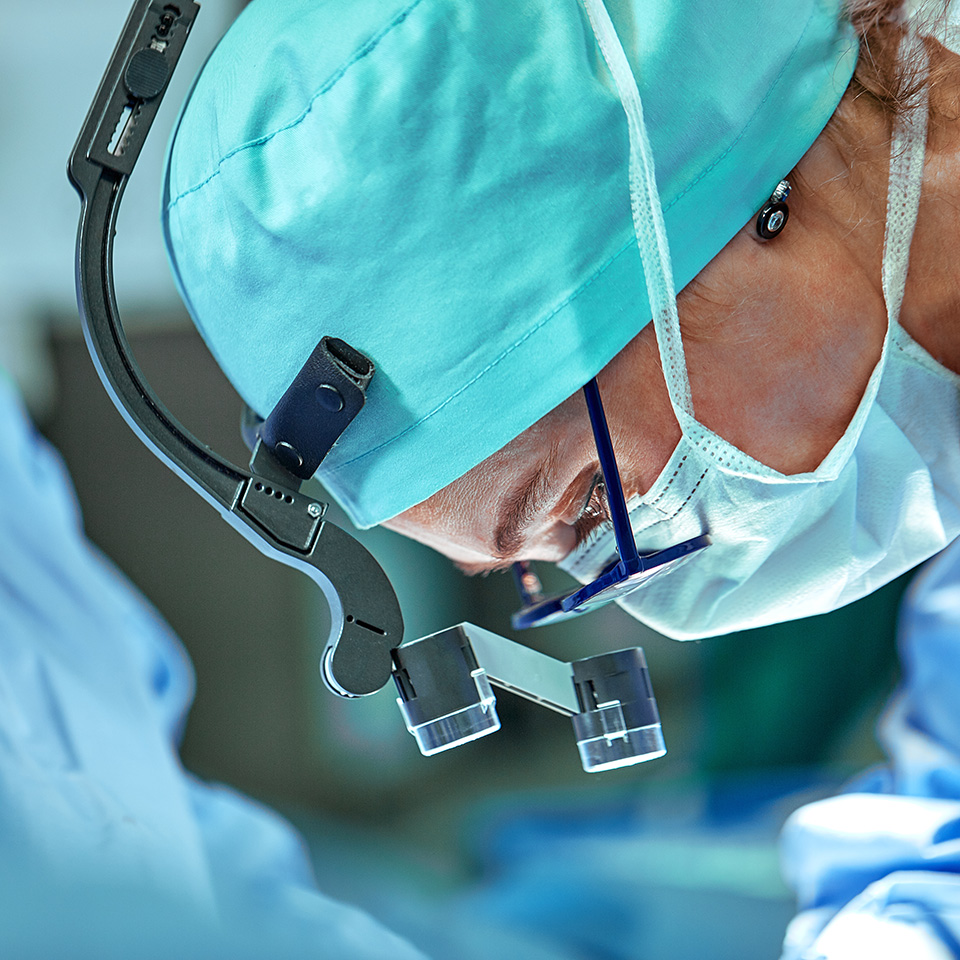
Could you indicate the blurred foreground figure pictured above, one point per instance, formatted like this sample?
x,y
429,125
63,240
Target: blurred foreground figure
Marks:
x,y
877,869
108,848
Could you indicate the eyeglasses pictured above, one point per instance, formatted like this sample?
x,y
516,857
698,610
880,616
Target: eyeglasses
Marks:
x,y
629,571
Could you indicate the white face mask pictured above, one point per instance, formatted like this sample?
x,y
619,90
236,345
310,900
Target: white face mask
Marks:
x,y
885,498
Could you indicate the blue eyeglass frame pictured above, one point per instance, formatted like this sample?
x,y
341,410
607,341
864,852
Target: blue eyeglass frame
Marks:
x,y
629,571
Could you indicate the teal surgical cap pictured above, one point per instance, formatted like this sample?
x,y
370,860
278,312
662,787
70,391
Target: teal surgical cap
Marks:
x,y
444,185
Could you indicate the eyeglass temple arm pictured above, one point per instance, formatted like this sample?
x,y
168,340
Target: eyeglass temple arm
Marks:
x,y
626,544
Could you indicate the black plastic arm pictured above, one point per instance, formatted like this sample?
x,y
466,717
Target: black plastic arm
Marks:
x,y
265,506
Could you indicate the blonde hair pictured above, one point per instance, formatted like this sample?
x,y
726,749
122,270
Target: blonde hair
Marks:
x,y
890,85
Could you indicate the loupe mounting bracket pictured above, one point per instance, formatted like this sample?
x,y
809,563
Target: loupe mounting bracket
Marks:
x,y
444,686
264,503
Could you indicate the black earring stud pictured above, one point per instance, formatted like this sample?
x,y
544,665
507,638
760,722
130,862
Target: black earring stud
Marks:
x,y
773,217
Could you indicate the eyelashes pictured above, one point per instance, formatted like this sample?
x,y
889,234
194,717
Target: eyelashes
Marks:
x,y
595,512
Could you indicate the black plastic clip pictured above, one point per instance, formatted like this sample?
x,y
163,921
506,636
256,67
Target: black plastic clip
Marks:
x,y
325,396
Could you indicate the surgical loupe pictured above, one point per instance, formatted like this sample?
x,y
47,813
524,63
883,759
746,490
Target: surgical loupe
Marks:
x,y
444,680
446,699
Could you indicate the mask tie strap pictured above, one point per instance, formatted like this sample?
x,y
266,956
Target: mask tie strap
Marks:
x,y
648,222
908,142
907,150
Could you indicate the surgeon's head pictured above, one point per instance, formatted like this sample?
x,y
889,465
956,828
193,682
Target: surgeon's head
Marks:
x,y
455,188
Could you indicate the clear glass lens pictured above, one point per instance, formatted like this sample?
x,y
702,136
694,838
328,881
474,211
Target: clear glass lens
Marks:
x,y
612,750
462,726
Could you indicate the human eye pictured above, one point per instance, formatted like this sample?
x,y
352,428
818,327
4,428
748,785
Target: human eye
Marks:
x,y
594,512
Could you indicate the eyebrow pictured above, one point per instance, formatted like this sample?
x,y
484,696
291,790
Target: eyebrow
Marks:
x,y
523,507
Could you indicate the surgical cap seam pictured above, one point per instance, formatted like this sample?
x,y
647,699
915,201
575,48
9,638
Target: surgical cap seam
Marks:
x,y
453,396
602,269
359,54
773,86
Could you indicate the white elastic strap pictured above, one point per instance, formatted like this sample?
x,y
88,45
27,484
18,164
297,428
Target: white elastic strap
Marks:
x,y
647,214
907,150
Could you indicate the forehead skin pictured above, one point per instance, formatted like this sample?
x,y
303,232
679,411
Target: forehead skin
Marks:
x,y
461,519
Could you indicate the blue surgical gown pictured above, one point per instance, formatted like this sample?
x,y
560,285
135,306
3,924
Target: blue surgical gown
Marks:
x,y
108,848
877,868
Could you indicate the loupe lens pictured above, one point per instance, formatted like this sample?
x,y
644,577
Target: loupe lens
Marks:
x,y
461,726
608,750
618,724
444,694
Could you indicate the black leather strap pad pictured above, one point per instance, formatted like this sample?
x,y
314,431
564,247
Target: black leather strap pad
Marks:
x,y
325,396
